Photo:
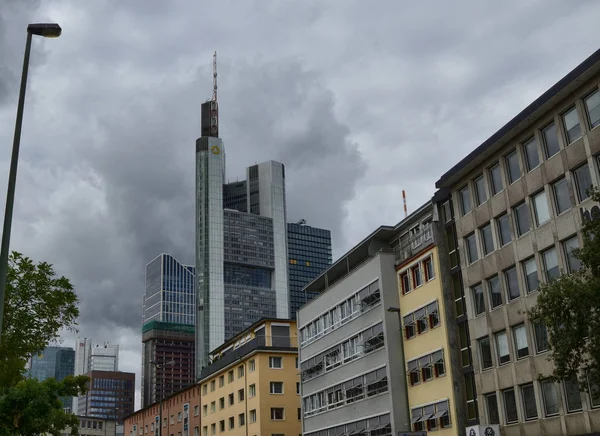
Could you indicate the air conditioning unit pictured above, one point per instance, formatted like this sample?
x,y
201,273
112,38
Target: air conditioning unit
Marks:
x,y
483,430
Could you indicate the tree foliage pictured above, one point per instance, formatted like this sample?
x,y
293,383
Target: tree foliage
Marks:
x,y
570,308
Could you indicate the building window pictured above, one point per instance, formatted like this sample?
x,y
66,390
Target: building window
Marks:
x,y
241,395
253,416
485,352
594,391
512,166
405,282
540,206
251,391
196,431
572,126
562,198
205,430
551,264
495,291
496,179
510,406
572,395
213,429
230,376
532,156
551,145
298,388
480,190
196,410
522,218
504,232
409,326
541,337
421,320
428,268
212,385
465,200
231,422
221,403
221,381
276,388
241,419
573,264
592,104
550,398
531,274
222,425
520,338
471,245
414,374
277,413
251,366
583,181
529,406
429,417
502,348
492,408
275,362
488,239
205,410
297,363
416,274
415,236
478,301
240,371
213,408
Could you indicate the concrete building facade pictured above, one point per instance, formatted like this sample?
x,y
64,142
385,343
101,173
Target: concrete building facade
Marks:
x,y
351,354
513,210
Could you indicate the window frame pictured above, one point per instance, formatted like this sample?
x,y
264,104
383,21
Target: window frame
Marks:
x,y
491,294
536,339
498,356
469,254
481,353
568,253
536,208
484,242
514,397
585,99
562,181
543,130
579,194
487,406
572,109
510,176
505,217
476,186
516,208
493,188
520,355
276,383
475,290
544,254
466,188
544,398
529,387
273,359
524,264
531,140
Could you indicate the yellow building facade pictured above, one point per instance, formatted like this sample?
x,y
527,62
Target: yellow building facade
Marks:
x,y
426,346
252,388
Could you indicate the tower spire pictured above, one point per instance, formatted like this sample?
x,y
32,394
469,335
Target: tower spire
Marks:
x,y
214,105
214,97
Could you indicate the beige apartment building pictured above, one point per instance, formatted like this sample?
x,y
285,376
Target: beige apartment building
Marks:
x,y
513,211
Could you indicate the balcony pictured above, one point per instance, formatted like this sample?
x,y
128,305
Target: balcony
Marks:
x,y
410,246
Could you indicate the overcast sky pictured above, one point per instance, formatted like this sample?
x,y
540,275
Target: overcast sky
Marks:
x,y
359,100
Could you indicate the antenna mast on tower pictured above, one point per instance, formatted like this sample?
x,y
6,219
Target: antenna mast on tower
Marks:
x,y
214,97
214,105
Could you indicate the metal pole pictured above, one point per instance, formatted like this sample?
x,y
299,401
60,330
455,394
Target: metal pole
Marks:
x,y
12,180
160,407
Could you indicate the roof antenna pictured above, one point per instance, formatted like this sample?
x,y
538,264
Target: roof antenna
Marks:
x,y
214,105
404,201
214,97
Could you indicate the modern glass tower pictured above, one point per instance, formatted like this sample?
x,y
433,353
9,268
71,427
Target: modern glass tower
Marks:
x,y
309,255
241,243
54,362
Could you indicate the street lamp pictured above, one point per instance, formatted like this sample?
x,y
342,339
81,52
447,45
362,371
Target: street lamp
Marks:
x,y
161,366
47,30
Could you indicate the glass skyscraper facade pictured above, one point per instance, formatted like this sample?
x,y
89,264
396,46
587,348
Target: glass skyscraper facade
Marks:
x,y
54,362
309,250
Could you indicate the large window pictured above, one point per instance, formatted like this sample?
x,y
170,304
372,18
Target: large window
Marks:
x,y
488,239
405,282
529,406
540,206
512,166
471,244
573,264
495,291
572,126
522,218
532,156
480,190
485,352
276,387
541,337
492,408
465,200
551,264
512,283
496,179
592,105
551,146
531,274
502,348
510,406
562,198
583,181
277,413
504,233
572,395
520,338
478,301
275,362
550,397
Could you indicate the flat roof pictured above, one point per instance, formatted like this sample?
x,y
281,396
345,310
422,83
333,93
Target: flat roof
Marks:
x,y
247,330
560,89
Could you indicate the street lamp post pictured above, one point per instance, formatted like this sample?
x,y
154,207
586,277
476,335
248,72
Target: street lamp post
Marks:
x,y
47,30
160,400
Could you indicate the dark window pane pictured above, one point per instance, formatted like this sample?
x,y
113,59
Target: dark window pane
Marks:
x,y
572,126
572,395
465,200
522,218
561,195
540,206
592,104
495,291
541,337
502,348
510,406
583,181
551,264
572,262
531,154
488,239
486,353
529,406
496,179
478,301
550,398
492,406
550,140
512,166
504,229
531,274
480,190
512,283
471,244
520,338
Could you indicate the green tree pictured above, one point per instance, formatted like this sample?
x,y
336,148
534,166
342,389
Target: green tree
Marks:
x,y
37,306
570,308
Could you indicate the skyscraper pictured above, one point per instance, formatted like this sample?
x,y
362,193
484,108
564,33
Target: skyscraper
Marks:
x,y
309,251
94,358
110,395
168,328
241,242
54,362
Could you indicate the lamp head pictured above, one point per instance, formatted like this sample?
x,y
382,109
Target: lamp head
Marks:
x,y
47,30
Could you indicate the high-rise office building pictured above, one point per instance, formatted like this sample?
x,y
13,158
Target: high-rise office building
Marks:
x,y
110,395
54,362
241,243
309,251
168,328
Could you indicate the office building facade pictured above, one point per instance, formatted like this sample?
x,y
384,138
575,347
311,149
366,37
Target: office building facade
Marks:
x,y
351,350
57,363
241,243
110,395
309,252
513,210
168,331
